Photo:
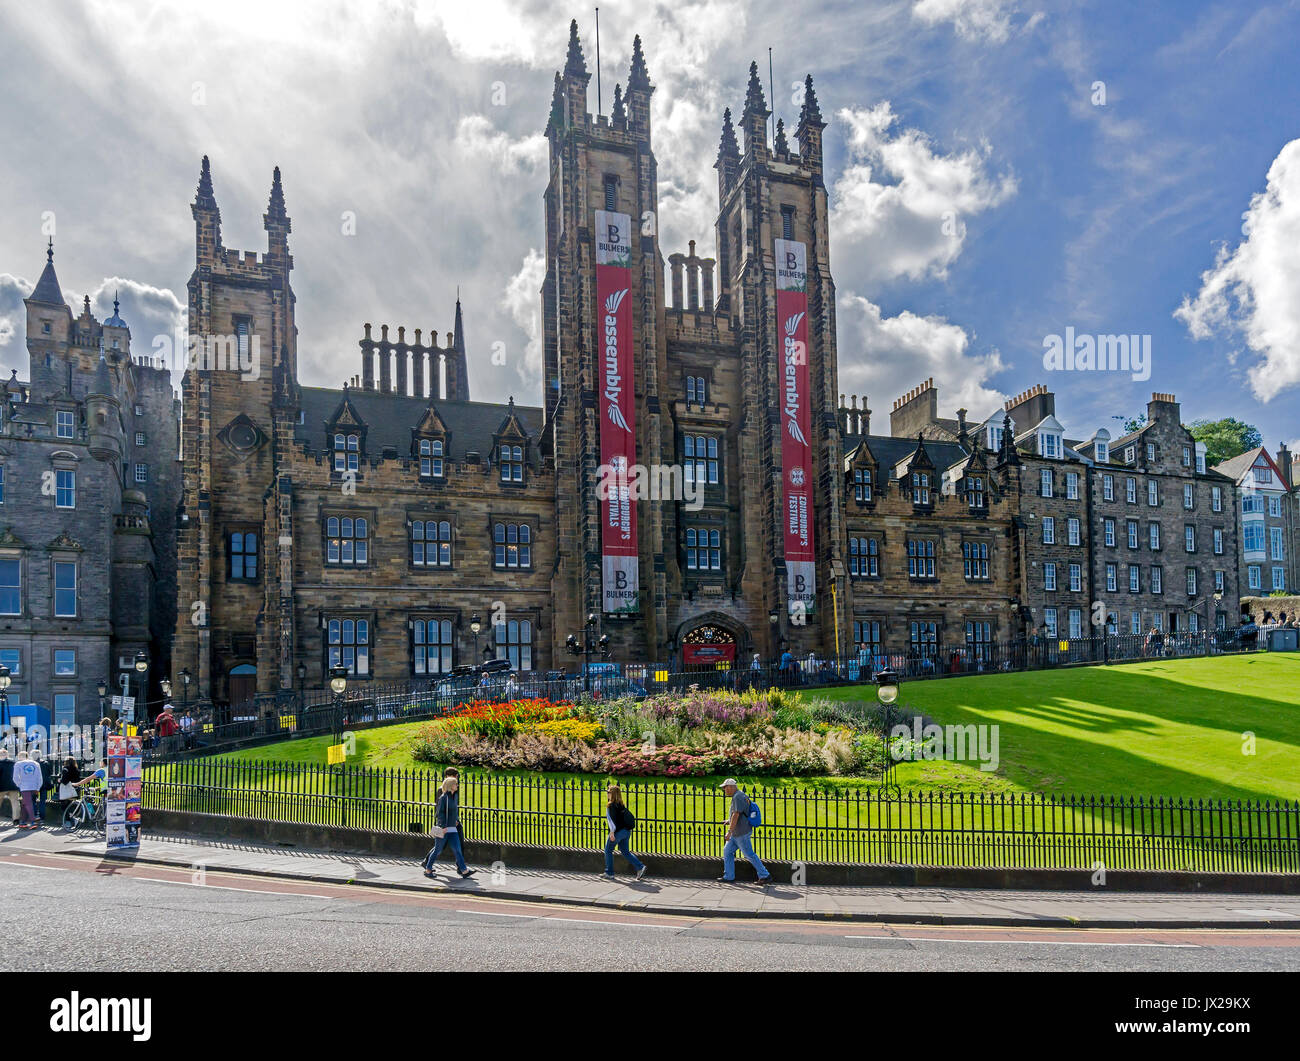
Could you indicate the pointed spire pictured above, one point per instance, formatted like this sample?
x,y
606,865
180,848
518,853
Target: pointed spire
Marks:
x,y
781,144
727,147
620,112
275,207
755,103
47,287
639,78
204,196
575,65
810,114
458,335
555,120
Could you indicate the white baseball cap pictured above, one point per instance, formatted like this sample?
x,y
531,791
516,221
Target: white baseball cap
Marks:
x,y
730,781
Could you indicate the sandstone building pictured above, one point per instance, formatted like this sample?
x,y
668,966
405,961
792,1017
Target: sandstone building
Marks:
x,y
89,482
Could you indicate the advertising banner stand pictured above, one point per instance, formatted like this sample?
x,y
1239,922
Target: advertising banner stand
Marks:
x,y
125,790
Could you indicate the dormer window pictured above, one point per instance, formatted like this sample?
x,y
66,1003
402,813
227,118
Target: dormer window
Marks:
x,y
347,452
432,454
1103,453
1130,454
862,485
976,496
920,488
995,438
511,460
1049,444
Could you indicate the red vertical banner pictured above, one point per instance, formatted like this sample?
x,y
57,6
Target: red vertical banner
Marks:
x,y
620,568
796,425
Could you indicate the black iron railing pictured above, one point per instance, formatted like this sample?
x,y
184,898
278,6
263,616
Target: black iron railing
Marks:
x,y
867,826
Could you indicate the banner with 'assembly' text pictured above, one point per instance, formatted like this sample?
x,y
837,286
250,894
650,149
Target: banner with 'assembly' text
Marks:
x,y
796,425
618,543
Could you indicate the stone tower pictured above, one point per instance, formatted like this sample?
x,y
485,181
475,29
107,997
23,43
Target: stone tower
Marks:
x,y
240,395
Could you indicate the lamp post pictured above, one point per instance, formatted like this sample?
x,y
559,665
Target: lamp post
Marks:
x,y
1211,616
185,686
475,625
5,680
102,689
887,694
142,669
338,685
301,672
586,647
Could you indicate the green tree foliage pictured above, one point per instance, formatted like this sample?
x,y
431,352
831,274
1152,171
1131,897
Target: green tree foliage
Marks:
x,y
1224,438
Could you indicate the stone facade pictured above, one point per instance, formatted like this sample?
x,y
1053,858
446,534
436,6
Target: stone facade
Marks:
x,y
1266,518
85,539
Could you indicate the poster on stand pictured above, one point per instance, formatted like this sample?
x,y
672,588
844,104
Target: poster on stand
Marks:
x,y
123,794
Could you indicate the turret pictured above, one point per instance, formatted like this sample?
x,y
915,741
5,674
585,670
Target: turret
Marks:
x,y
576,80
276,219
207,218
639,90
104,416
809,132
754,120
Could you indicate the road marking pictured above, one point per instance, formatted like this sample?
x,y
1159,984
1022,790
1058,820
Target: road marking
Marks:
x,y
1028,942
229,888
1265,913
573,920
24,865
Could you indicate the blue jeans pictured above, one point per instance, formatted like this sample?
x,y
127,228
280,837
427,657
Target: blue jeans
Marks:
x,y
451,840
741,844
620,841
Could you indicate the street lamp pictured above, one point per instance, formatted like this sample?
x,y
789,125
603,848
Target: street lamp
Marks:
x,y
587,646
185,686
475,625
102,689
142,668
338,685
887,694
5,680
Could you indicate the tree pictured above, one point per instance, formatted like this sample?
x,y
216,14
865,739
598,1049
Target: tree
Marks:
x,y
1224,438
1132,423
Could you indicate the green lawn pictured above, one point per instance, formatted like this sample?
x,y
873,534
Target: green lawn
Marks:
x,y
1161,728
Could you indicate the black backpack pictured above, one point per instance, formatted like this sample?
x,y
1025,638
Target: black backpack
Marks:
x,y
625,819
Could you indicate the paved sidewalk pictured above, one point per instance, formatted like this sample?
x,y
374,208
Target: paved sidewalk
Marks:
x,y
939,906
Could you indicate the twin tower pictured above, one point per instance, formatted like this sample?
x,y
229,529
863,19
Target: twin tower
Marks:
x,y
735,383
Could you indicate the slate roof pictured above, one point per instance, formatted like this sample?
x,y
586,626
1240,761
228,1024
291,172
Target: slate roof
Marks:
x,y
47,287
390,418
890,451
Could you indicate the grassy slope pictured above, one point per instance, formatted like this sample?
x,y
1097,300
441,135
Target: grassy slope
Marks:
x,y
1164,727
1158,728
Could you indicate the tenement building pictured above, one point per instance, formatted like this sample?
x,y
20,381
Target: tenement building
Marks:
x,y
89,482
1265,519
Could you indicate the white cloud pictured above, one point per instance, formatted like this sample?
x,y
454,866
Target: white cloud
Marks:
x,y
883,357
479,140
1252,289
988,20
523,300
908,202
13,321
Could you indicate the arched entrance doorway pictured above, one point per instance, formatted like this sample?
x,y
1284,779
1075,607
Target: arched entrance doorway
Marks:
x,y
708,647
242,689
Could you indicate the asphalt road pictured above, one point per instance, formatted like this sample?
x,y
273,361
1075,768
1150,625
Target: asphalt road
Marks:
x,y
83,913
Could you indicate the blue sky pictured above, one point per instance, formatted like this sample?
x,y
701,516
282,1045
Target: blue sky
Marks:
x,y
981,197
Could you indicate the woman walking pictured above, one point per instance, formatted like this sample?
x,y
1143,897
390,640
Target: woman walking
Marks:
x,y
447,819
621,823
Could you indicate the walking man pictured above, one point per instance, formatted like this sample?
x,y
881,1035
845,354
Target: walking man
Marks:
x,y
27,776
737,836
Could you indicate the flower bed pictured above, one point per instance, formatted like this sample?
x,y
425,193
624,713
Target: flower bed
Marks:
x,y
692,735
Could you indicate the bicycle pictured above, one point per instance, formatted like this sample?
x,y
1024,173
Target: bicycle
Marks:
x,y
86,810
